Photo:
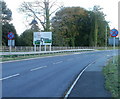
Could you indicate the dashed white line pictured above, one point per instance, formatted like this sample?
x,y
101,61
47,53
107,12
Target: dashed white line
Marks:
x,y
9,77
58,62
38,68
70,59
19,74
77,53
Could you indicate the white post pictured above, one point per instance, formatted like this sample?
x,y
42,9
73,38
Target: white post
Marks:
x,y
45,47
40,48
50,47
113,50
15,49
10,48
35,48
106,39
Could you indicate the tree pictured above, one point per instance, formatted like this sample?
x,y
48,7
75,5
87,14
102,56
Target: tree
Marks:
x,y
6,13
42,11
6,28
26,38
6,16
69,26
75,26
34,25
98,27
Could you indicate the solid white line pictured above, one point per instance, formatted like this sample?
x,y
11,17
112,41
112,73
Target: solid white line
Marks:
x,y
58,62
10,77
38,68
69,91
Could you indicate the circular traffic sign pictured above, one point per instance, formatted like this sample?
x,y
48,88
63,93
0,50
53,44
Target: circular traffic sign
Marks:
x,y
114,33
10,35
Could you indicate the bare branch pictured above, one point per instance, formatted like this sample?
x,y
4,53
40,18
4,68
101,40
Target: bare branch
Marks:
x,y
37,17
52,4
42,9
54,11
28,9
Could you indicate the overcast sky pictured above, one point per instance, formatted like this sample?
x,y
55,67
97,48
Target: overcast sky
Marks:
x,y
110,8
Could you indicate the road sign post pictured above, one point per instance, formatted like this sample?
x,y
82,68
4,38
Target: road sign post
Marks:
x,y
45,47
40,48
114,33
50,47
106,38
35,48
11,42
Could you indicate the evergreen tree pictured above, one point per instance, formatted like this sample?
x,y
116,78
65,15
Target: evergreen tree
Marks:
x,y
6,17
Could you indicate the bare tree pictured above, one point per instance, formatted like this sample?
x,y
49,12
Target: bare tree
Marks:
x,y
41,10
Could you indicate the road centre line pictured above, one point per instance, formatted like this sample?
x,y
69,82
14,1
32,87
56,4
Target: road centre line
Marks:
x,y
19,74
69,59
77,53
38,68
58,62
9,77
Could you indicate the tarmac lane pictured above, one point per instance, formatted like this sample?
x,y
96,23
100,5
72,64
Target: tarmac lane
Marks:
x,y
53,76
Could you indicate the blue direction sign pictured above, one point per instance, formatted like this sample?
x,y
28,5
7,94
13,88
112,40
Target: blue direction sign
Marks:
x,y
10,36
114,33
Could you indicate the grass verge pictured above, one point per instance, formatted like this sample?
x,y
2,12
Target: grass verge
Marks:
x,y
19,57
27,56
112,76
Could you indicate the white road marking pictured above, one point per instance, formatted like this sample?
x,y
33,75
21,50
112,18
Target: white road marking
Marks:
x,y
70,59
77,53
69,91
9,77
58,62
38,68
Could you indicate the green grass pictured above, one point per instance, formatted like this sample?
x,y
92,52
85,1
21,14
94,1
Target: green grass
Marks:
x,y
19,57
108,48
111,73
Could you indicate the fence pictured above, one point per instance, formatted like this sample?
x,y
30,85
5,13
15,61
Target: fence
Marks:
x,y
31,49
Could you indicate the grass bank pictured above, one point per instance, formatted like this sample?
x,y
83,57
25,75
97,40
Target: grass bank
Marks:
x,y
112,76
27,56
19,57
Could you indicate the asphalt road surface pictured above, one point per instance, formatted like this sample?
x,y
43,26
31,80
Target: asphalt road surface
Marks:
x,y
45,77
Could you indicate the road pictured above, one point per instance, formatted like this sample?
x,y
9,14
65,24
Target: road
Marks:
x,y
45,77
